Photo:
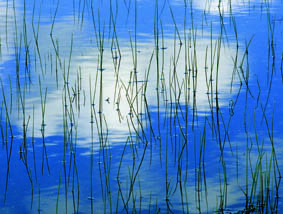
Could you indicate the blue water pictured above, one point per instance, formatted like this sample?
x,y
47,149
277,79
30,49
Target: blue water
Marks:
x,y
141,106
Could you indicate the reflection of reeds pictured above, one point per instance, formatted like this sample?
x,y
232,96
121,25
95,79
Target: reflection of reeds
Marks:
x,y
33,141
38,209
6,109
43,125
5,138
0,49
58,193
281,67
36,34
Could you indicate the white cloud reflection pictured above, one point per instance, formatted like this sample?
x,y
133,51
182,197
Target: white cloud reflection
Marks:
x,y
7,32
216,6
84,57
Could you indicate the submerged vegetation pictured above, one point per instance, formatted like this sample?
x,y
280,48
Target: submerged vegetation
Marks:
x,y
141,106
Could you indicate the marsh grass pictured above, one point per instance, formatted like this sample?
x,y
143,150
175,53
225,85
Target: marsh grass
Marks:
x,y
165,126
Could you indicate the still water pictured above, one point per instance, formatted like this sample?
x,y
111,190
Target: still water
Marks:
x,y
141,106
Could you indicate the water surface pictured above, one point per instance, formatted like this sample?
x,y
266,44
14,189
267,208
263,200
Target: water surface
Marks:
x,y
141,106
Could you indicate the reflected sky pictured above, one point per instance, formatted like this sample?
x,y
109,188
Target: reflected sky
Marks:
x,y
181,107
84,59
7,31
223,6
